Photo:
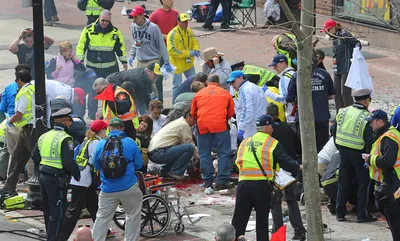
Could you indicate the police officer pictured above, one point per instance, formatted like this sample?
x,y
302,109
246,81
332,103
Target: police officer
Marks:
x,y
353,136
93,10
55,154
101,42
384,166
259,156
286,44
123,106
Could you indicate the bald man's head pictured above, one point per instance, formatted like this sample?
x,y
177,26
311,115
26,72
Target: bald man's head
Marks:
x,y
83,234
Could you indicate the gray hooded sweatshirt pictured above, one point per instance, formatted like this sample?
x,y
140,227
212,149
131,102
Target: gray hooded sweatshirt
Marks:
x,y
152,45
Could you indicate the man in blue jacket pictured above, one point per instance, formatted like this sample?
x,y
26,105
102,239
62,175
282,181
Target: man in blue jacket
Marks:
x,y
124,189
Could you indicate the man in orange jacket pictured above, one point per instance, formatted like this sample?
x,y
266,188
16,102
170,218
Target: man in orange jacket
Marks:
x,y
212,107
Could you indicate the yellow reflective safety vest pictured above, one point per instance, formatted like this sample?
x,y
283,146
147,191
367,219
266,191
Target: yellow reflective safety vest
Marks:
x,y
28,91
375,172
3,131
265,75
101,47
351,123
264,145
279,45
49,145
108,114
82,159
281,106
93,8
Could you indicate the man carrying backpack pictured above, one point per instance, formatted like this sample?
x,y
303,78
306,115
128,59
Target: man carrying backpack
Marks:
x,y
117,157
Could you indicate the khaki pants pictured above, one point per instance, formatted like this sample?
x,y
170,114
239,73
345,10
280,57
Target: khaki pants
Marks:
x,y
131,199
12,136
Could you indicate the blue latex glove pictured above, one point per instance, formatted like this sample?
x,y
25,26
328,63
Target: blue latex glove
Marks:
x,y
192,53
168,67
294,61
265,87
240,135
130,61
197,53
9,124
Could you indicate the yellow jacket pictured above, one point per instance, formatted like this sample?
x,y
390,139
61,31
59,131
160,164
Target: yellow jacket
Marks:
x,y
179,44
281,107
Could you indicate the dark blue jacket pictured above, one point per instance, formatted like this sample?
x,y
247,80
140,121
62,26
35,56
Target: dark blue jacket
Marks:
x,y
184,87
133,157
7,104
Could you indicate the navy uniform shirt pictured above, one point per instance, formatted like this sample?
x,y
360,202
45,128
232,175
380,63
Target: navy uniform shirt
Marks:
x,y
321,87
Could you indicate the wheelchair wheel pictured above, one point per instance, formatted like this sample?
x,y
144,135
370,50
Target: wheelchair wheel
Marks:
x,y
119,219
155,216
179,228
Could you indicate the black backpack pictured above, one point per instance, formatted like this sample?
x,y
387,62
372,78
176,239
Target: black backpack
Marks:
x,y
82,4
112,161
106,4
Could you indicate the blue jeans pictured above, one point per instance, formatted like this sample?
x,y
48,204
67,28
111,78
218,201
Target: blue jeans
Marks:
x,y
176,158
49,10
222,142
177,81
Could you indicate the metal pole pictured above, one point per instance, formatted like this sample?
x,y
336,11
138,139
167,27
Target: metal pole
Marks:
x,y
40,95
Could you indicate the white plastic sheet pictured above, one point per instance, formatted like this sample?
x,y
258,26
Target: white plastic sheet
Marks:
x,y
358,77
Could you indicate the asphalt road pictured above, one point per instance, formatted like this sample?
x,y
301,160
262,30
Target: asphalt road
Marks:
x,y
9,231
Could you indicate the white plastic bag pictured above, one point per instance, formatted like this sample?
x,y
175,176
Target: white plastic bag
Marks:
x,y
166,75
123,12
358,77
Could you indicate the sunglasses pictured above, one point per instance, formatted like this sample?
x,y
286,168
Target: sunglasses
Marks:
x,y
106,21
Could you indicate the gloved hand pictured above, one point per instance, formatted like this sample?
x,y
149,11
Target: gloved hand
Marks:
x,y
265,88
240,135
294,61
130,61
168,67
9,124
192,53
358,45
197,53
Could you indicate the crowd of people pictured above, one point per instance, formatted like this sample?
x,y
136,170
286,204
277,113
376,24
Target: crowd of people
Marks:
x,y
246,115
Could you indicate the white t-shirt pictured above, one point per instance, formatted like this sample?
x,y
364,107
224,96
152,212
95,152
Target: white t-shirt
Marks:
x,y
157,124
86,177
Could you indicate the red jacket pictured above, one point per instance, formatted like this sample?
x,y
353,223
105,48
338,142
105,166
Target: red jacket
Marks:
x,y
212,107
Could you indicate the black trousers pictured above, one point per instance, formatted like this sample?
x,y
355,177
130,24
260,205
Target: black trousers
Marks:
x,y
81,197
226,12
352,165
249,195
91,19
159,85
392,215
321,134
54,202
293,206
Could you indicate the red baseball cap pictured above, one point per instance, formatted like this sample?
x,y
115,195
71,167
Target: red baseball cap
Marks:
x,y
98,125
328,25
138,10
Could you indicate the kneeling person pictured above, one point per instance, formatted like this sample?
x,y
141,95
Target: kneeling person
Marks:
x,y
173,146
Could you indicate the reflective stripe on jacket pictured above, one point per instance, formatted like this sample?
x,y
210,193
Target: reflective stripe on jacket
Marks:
x,y
100,47
28,91
93,8
264,145
265,75
375,172
351,123
3,131
49,145
108,114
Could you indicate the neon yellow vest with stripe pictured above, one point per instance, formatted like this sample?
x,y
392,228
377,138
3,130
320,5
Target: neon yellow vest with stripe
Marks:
x,y
285,52
3,131
265,75
351,123
49,145
93,8
247,164
82,159
375,172
27,91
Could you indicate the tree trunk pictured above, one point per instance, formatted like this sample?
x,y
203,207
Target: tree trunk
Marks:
x,y
306,114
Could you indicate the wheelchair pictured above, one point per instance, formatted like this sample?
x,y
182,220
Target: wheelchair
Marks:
x,y
158,203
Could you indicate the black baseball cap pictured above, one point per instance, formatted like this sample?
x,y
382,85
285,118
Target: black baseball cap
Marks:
x,y
378,115
265,120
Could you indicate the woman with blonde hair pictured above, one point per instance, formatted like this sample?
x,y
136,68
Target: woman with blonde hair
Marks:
x,y
62,67
84,191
